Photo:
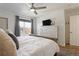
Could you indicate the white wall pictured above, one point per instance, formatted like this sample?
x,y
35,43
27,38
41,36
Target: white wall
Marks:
x,y
60,22
11,18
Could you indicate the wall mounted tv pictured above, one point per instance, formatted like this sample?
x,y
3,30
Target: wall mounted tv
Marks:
x,y
46,22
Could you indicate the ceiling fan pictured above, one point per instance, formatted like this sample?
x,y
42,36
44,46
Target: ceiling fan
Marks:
x,y
34,9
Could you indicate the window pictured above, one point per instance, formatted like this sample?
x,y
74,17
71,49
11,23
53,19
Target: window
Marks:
x,y
25,28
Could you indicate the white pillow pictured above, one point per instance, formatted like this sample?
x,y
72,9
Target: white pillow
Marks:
x,y
7,46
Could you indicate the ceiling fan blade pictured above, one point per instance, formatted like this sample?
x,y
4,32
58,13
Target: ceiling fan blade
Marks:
x,y
35,12
40,7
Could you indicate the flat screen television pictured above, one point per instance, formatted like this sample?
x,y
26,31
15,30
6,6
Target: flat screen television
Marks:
x,y
46,22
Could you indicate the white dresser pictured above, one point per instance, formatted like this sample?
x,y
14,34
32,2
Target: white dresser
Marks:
x,y
49,31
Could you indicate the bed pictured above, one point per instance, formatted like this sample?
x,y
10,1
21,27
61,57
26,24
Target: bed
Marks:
x,y
36,46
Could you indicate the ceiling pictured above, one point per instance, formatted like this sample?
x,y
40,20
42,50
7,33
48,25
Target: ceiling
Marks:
x,y
24,8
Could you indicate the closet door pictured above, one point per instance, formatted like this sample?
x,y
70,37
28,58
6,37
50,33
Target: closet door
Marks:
x,y
3,23
74,30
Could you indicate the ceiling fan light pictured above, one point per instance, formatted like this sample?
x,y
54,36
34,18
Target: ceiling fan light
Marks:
x,y
32,10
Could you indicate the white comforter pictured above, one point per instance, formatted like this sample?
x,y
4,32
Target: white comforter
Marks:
x,y
36,46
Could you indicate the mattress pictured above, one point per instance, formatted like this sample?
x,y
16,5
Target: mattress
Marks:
x,y
36,46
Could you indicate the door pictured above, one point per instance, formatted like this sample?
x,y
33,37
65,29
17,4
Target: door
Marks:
x,y
4,23
25,28
74,30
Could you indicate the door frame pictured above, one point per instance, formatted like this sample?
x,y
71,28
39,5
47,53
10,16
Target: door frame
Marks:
x,y
6,20
67,29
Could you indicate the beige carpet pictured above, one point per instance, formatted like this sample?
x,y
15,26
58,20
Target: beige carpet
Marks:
x,y
69,51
